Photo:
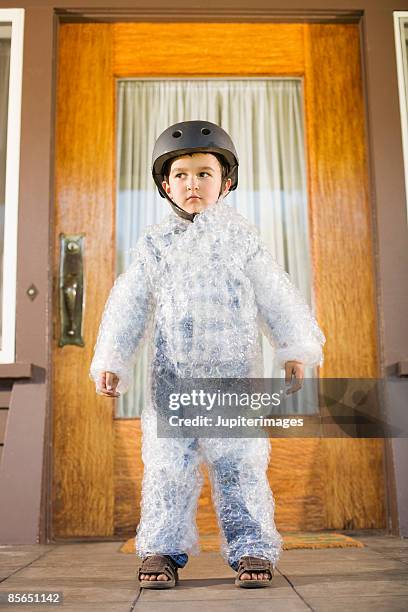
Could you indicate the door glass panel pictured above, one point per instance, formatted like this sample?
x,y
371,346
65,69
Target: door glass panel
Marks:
x,y
5,46
265,120
401,35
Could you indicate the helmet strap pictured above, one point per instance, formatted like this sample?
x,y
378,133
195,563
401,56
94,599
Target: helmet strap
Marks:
x,y
181,212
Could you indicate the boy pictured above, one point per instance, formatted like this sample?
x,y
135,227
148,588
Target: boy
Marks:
x,y
208,280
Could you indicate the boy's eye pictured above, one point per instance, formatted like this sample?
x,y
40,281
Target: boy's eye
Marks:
x,y
201,174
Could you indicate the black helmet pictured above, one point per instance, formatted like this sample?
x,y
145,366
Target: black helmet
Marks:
x,y
192,137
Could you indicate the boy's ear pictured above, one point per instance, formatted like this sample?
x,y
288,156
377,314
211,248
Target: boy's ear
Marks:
x,y
227,185
166,187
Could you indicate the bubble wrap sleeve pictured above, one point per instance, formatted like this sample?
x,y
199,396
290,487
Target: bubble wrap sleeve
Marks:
x,y
287,318
124,321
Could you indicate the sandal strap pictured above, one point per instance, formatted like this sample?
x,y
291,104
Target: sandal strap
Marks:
x,y
158,564
248,564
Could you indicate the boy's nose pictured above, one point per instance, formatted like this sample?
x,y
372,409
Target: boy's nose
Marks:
x,y
193,185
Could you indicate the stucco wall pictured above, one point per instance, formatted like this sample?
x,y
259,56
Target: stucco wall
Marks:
x,y
33,330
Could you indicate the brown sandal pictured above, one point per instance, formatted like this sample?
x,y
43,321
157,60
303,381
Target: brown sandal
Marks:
x,y
251,564
158,564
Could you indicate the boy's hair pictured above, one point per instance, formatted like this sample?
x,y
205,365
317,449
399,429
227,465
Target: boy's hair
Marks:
x,y
221,160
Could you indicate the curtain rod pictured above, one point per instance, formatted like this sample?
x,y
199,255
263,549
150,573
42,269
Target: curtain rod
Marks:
x,y
222,78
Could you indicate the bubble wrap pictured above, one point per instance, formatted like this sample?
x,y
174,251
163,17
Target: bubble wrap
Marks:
x,y
210,285
241,495
201,293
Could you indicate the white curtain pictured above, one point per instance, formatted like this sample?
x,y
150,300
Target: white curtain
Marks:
x,y
265,121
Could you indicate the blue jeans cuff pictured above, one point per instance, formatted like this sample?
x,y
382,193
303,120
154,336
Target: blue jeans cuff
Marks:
x,y
180,560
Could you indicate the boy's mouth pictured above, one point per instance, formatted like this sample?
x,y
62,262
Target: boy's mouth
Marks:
x,y
194,197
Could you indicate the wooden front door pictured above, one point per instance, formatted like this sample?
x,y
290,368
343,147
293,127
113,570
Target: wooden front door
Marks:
x,y
97,469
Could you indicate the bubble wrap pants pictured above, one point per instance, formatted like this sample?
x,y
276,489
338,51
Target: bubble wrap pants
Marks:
x,y
171,487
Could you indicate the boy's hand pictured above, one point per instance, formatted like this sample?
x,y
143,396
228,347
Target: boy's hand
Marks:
x,y
107,385
296,369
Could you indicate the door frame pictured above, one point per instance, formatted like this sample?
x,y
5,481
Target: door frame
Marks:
x,y
79,15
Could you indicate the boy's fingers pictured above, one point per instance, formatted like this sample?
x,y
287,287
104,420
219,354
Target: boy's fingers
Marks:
x,y
107,385
295,369
295,387
108,380
107,393
111,381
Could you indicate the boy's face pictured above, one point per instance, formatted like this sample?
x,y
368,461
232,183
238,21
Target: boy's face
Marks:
x,y
194,182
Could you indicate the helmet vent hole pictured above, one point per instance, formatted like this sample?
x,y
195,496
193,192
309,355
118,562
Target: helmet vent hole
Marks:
x,y
177,134
205,131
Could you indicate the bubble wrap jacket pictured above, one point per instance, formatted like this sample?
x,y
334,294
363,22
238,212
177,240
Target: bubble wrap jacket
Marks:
x,y
207,288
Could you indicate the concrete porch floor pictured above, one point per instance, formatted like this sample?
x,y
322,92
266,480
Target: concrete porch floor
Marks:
x,y
96,576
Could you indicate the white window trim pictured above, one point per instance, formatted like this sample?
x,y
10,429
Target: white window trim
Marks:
x,y
16,18
400,18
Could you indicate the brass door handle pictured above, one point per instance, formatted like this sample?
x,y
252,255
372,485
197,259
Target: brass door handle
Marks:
x,y
70,296
71,289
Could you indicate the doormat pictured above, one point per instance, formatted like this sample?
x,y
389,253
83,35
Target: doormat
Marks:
x,y
327,539
312,539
